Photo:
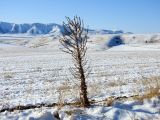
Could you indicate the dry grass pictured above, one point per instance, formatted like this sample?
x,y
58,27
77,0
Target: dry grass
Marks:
x,y
116,83
8,75
112,84
65,91
75,111
109,101
151,88
94,89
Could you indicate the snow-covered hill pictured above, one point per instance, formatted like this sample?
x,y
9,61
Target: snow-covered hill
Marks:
x,y
33,29
34,71
40,28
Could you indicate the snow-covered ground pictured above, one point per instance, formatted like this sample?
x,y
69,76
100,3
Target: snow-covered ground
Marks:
x,y
33,70
132,110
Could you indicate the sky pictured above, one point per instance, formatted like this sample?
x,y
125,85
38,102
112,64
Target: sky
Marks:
x,y
137,16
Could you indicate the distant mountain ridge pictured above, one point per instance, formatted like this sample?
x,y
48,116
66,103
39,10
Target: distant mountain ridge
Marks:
x,y
40,28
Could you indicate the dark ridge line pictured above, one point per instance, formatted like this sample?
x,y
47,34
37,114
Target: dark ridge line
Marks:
x,y
21,107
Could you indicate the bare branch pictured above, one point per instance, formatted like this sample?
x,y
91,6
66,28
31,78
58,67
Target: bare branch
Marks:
x,y
74,41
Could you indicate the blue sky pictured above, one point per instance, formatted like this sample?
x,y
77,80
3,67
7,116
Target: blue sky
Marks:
x,y
138,16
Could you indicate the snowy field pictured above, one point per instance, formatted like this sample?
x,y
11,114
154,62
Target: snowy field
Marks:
x,y
33,70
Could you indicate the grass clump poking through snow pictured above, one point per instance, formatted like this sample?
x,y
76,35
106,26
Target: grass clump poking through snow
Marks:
x,y
8,75
151,88
63,92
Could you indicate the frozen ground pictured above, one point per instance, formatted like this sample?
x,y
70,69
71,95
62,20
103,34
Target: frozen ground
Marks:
x,y
149,110
33,70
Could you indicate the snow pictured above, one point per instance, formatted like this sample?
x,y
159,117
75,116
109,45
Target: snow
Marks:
x,y
33,29
33,69
119,111
40,28
133,48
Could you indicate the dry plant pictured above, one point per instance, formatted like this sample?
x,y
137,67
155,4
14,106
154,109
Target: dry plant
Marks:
x,y
68,90
63,93
8,75
115,83
74,41
151,87
29,89
109,101
94,89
